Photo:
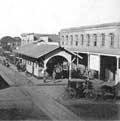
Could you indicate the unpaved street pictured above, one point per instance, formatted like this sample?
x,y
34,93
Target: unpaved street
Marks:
x,y
40,99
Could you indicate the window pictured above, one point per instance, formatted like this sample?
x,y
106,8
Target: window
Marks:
x,y
76,40
71,38
36,65
66,39
82,39
76,43
103,39
28,40
111,39
62,40
95,39
88,40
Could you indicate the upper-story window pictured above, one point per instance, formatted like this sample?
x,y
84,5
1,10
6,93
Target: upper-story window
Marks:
x,y
71,39
95,39
66,39
76,40
88,39
111,39
62,40
28,40
102,39
82,39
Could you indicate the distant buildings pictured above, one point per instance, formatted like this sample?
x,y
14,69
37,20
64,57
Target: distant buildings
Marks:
x,y
28,38
99,45
10,43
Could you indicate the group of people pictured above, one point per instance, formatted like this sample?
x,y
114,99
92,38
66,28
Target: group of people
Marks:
x,y
6,62
20,66
61,71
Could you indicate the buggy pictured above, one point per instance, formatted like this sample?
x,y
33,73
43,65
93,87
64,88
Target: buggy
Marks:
x,y
92,89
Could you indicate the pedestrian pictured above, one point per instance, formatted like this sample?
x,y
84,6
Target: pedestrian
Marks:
x,y
44,76
54,75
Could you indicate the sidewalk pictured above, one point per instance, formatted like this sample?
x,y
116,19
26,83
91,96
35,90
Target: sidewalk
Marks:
x,y
40,82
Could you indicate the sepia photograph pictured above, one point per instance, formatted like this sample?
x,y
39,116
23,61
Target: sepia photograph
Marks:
x,y
59,60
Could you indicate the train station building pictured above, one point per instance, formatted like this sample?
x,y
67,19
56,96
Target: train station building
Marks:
x,y
40,56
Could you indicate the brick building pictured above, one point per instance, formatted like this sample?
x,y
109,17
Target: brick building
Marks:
x,y
99,45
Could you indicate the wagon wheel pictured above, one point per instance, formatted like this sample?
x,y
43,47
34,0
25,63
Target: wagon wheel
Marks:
x,y
69,93
91,95
72,93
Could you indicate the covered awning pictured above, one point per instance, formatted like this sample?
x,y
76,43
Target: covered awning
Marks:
x,y
100,51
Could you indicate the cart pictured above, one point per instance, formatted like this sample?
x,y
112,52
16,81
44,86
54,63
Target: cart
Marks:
x,y
92,89
75,88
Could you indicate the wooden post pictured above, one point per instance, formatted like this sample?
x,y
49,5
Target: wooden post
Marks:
x,y
88,61
44,72
99,67
77,60
117,71
69,72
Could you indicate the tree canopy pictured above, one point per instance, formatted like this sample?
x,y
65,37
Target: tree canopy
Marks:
x,y
7,39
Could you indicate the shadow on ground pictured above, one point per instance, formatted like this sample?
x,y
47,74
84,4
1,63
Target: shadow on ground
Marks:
x,y
3,83
22,114
96,111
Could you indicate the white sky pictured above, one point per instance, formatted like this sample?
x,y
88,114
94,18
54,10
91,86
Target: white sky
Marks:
x,y
50,16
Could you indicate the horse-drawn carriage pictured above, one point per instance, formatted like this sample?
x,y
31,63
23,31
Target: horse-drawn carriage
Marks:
x,y
92,89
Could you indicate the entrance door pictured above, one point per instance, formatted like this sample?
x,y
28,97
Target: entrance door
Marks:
x,y
108,68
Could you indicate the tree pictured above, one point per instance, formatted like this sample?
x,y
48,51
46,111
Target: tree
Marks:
x,y
7,42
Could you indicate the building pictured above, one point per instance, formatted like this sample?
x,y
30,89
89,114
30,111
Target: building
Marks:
x,y
10,43
17,42
99,45
28,38
39,57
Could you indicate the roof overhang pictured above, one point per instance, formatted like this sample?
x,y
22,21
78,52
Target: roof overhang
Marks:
x,y
73,53
41,54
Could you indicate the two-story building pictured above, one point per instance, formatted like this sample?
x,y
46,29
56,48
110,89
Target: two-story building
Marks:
x,y
99,45
28,38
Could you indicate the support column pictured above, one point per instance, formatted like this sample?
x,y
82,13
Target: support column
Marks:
x,y
88,61
44,71
117,78
33,68
70,68
77,60
99,67
69,71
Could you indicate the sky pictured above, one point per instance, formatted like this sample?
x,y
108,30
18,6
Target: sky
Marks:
x,y
50,16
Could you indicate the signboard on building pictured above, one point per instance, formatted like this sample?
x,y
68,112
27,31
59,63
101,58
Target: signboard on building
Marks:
x,y
95,62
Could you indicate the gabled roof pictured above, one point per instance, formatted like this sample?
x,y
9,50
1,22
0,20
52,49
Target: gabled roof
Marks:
x,y
36,50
